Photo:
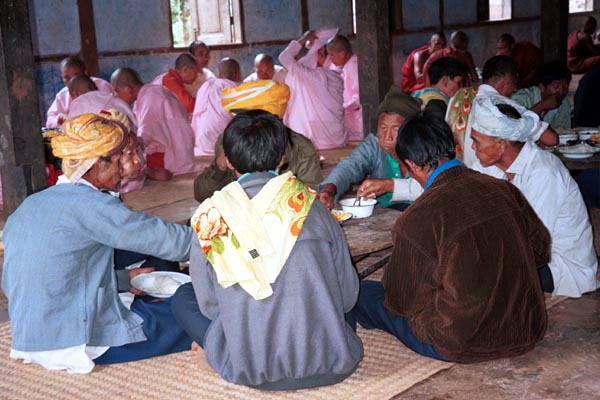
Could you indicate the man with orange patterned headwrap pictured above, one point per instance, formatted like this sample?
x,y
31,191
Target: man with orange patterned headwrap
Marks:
x,y
266,257
58,263
300,155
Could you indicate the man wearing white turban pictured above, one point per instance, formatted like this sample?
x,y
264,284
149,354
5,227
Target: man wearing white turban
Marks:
x,y
502,149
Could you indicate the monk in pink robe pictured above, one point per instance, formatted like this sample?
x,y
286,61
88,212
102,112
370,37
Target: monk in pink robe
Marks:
x,y
209,118
162,120
58,111
346,63
315,109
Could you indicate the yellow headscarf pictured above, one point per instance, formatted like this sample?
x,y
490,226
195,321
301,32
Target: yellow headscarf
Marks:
x,y
265,95
86,138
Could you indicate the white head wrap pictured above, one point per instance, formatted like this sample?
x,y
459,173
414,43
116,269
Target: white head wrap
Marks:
x,y
323,36
487,119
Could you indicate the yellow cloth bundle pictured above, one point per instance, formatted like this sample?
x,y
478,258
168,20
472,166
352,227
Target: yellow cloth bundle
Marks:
x,y
265,95
85,138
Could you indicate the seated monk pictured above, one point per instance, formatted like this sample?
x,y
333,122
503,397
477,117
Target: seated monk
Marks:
x,y
209,118
459,45
201,53
69,67
300,155
59,248
528,57
582,54
272,277
265,69
163,124
185,72
461,284
412,70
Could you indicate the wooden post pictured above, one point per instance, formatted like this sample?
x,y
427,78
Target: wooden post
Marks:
x,y
22,166
373,47
87,29
554,29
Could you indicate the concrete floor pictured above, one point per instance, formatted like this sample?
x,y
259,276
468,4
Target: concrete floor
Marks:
x,y
564,365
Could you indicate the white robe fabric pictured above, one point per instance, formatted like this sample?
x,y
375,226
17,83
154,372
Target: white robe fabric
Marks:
x,y
209,118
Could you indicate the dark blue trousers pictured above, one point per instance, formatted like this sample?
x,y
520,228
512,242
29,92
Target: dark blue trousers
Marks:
x,y
123,258
546,279
370,313
164,335
186,312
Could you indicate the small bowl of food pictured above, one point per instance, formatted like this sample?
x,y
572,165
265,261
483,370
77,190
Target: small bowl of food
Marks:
x,y
587,134
567,138
359,209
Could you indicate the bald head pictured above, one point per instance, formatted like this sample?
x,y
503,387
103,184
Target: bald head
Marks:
x,y
263,66
71,66
459,40
187,68
229,69
81,84
126,83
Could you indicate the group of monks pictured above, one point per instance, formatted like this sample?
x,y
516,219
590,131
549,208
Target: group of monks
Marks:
x,y
182,112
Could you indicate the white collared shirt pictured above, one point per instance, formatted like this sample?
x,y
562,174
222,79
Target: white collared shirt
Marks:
x,y
555,197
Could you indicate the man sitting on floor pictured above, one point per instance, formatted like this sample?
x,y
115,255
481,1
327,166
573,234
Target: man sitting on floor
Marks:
x,y
185,73
163,124
459,44
582,53
264,69
300,155
58,263
374,159
503,152
549,98
462,283
271,273
69,67
209,118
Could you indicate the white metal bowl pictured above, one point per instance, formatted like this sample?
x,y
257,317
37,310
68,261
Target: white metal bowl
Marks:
x,y
364,210
565,139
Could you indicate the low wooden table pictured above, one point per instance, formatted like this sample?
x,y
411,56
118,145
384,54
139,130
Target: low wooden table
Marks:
x,y
579,164
370,239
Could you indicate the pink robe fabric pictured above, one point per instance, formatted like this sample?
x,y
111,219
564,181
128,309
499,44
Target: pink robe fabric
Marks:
x,y
315,109
163,126
62,102
202,77
209,118
96,101
279,76
352,108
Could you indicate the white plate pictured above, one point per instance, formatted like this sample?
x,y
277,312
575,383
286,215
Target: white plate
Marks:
x,y
151,283
577,156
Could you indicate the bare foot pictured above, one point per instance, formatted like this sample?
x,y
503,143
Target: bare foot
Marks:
x,y
198,357
159,174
